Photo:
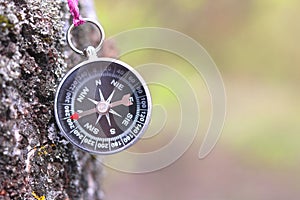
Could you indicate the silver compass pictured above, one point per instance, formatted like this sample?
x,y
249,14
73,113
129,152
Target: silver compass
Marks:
x,y
102,105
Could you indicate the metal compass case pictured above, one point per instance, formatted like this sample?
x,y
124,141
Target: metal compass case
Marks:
x,y
102,105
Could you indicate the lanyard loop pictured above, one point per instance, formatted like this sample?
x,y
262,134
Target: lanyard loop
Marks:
x,y
73,6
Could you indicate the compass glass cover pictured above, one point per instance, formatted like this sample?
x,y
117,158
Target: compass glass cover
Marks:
x,y
102,106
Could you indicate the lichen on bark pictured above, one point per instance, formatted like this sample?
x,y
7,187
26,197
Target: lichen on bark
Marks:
x,y
35,160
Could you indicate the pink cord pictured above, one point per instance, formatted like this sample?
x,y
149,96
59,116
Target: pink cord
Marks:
x,y
73,6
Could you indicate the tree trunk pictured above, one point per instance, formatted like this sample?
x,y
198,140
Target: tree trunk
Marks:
x,y
36,162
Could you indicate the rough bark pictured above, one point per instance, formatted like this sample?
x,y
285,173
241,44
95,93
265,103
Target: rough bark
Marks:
x,y
36,162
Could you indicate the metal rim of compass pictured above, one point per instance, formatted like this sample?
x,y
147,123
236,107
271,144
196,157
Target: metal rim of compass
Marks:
x,y
148,116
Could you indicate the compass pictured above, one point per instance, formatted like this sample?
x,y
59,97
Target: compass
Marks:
x,y
102,105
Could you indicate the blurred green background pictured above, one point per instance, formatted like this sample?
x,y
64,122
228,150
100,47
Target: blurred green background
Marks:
x,y
255,44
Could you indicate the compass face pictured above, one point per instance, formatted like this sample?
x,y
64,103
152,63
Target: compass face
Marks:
x,y
102,106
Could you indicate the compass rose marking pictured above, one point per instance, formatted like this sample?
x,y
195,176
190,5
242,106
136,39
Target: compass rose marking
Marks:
x,y
101,95
114,113
108,119
98,82
98,119
93,101
110,97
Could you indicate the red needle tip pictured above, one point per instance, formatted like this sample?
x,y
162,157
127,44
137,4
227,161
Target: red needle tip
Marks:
x,y
75,116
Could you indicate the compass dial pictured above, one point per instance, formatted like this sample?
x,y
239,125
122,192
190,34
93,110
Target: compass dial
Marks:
x,y
102,106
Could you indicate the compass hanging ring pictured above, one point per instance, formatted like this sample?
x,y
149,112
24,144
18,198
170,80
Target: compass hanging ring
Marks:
x,y
81,52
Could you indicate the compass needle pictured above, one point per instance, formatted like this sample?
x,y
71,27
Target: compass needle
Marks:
x,y
124,101
76,115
